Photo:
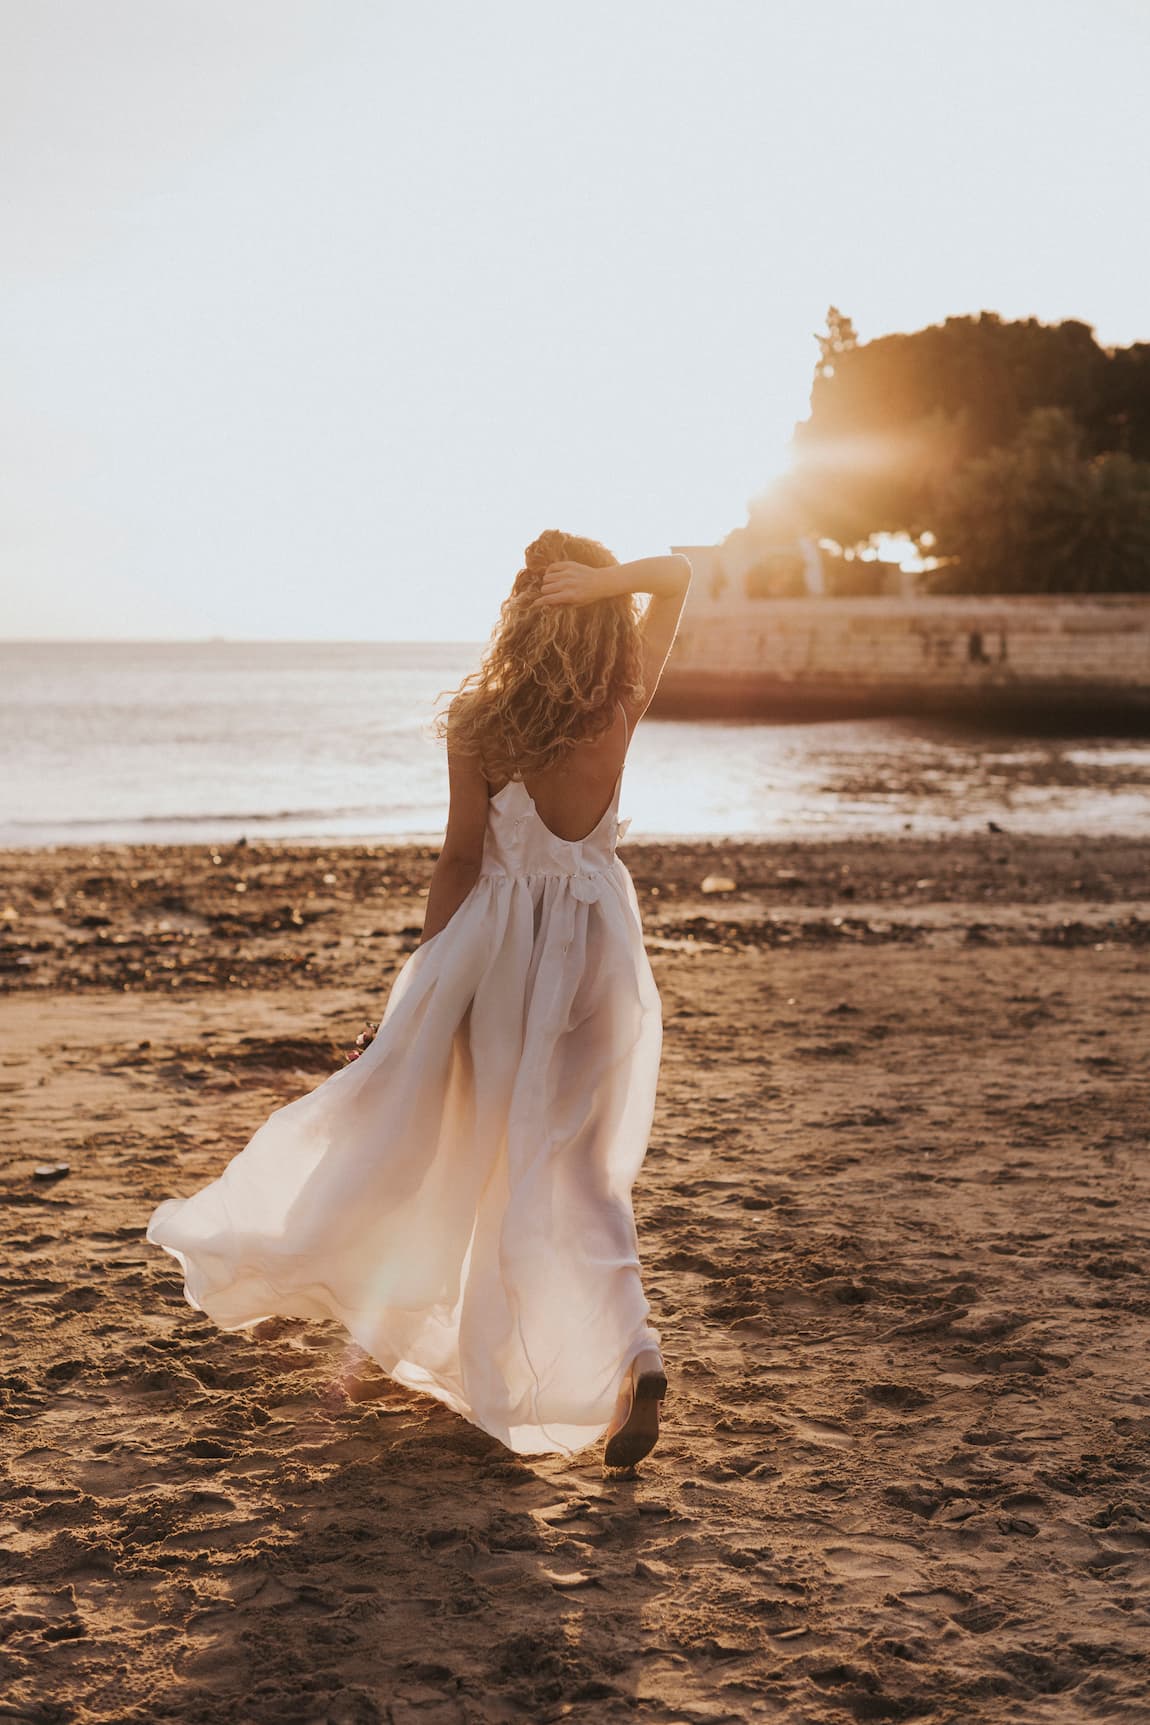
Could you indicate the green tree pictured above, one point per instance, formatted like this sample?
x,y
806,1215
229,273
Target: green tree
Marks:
x,y
1042,516
839,339
893,419
1128,399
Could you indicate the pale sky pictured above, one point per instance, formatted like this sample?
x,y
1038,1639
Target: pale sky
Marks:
x,y
313,313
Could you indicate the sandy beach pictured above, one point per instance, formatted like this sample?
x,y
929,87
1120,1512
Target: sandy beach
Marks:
x,y
896,1236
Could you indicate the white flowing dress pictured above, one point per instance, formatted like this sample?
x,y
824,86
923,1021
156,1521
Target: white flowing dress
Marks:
x,y
459,1197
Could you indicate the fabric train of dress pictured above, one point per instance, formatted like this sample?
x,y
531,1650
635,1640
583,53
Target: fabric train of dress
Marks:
x,y
459,1197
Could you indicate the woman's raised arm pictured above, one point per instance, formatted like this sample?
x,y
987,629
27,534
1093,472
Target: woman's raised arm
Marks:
x,y
667,579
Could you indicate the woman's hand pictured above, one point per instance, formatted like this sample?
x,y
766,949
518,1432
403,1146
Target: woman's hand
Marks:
x,y
570,583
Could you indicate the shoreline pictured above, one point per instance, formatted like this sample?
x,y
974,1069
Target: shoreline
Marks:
x,y
1055,824
147,918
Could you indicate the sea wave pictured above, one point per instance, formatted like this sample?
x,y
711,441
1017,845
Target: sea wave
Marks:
x,y
246,817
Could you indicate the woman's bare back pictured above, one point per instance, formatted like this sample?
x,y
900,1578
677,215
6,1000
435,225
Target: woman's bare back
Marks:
x,y
572,797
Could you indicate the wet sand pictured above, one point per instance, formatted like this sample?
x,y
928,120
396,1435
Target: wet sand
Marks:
x,y
895,1226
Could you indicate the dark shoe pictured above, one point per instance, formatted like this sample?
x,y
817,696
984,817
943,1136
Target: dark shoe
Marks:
x,y
634,1429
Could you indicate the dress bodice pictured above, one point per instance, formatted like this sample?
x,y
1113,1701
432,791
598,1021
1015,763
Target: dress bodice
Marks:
x,y
518,842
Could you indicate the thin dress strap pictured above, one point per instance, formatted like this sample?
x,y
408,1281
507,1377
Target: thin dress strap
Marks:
x,y
626,727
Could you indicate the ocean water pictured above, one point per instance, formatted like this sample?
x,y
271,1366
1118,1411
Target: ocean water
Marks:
x,y
206,742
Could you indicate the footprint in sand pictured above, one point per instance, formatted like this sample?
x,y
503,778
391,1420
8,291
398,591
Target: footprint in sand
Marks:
x,y
938,1600
894,1395
822,1432
874,1558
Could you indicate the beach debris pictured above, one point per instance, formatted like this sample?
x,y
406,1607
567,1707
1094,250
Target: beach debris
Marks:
x,y
927,1326
567,1580
9,914
50,1170
717,883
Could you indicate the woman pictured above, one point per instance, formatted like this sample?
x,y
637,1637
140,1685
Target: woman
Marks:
x,y
459,1197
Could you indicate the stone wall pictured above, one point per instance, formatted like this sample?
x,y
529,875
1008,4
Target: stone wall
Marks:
x,y
905,655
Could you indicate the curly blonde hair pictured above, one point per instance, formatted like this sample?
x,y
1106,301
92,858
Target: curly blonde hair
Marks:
x,y
549,677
